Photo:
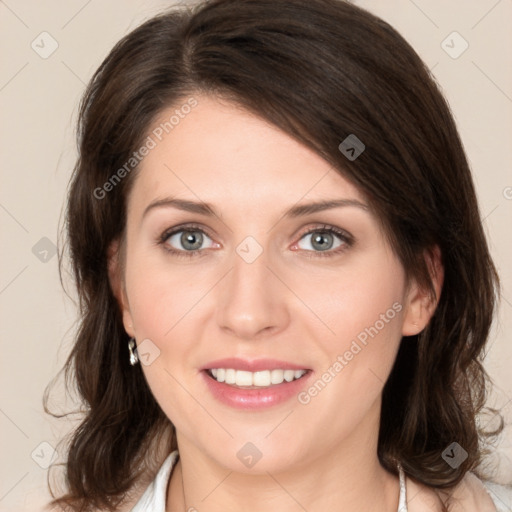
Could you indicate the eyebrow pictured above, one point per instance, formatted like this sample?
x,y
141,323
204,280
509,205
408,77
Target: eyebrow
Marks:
x,y
295,211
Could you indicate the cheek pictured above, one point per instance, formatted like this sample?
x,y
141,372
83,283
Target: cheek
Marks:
x,y
360,302
162,308
363,309
159,295
358,361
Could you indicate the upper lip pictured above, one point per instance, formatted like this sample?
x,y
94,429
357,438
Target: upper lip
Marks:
x,y
255,365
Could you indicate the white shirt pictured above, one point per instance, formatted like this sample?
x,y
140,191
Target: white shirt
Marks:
x,y
154,497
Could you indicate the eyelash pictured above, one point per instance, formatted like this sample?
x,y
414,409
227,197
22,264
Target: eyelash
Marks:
x,y
345,237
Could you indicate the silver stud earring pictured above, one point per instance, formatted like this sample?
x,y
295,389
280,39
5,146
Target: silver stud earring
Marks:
x,y
134,358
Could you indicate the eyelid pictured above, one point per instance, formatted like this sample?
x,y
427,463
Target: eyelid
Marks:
x,y
188,226
322,227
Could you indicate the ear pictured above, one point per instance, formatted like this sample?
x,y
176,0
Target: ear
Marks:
x,y
420,305
115,276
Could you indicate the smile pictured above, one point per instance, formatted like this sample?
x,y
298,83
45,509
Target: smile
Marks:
x,y
255,380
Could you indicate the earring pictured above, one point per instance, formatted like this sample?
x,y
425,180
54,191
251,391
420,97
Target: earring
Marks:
x,y
134,358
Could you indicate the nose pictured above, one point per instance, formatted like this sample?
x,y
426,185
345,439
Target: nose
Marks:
x,y
252,301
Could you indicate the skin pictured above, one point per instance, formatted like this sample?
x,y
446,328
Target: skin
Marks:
x,y
284,305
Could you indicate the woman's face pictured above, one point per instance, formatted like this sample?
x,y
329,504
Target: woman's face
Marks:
x,y
261,278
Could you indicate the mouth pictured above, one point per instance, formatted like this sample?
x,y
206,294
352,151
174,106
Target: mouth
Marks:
x,y
254,384
251,391
264,379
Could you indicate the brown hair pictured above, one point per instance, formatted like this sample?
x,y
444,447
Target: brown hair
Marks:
x,y
320,70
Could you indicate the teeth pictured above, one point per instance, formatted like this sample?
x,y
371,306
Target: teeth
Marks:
x,y
264,378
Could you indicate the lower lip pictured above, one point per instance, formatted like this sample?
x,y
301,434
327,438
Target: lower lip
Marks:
x,y
240,398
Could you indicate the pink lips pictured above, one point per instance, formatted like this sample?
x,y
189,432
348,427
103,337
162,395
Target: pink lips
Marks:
x,y
251,399
257,365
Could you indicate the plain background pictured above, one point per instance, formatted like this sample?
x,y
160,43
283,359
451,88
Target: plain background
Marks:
x,y
39,99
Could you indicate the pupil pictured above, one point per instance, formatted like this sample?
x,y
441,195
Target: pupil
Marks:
x,y
193,238
320,239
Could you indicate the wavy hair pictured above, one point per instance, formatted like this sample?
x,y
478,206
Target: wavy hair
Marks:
x,y
319,70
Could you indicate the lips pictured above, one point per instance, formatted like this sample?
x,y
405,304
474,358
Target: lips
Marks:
x,y
255,365
254,398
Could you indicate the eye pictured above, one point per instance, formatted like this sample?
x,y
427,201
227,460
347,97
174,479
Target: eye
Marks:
x,y
185,241
325,239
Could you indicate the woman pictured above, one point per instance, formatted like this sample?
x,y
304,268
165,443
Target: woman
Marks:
x,y
285,286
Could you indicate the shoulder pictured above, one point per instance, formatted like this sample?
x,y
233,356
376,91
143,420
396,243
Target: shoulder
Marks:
x,y
500,494
470,495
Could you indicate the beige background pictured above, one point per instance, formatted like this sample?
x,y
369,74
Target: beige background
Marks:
x,y
39,99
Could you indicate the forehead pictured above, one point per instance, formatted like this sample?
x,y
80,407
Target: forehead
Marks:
x,y
218,151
